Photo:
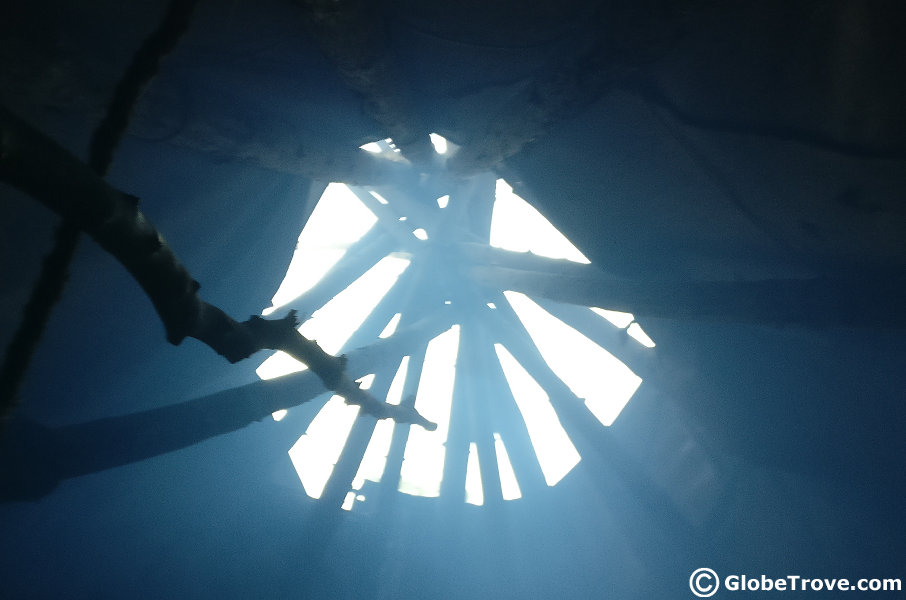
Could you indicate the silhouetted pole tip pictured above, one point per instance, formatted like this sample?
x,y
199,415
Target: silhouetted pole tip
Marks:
x,y
408,414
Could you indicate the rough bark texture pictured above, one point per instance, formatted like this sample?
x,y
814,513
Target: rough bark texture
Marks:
x,y
38,166
50,284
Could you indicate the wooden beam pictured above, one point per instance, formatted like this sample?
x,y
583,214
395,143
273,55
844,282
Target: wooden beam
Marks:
x,y
480,255
41,168
42,457
818,302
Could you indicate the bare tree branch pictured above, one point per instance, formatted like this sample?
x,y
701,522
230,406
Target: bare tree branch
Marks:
x,y
54,273
40,167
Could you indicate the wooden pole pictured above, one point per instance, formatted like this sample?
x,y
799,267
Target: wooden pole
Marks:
x,y
38,166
